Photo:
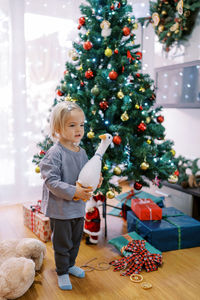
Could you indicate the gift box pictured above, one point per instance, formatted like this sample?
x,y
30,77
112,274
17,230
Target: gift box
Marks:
x,y
122,241
125,199
36,221
138,254
175,231
146,209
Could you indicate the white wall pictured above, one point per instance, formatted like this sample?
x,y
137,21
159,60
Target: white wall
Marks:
x,y
182,125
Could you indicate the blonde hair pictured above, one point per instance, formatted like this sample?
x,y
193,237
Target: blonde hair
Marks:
x,y
59,116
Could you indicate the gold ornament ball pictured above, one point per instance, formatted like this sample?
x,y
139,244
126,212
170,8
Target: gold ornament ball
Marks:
x,y
108,52
148,120
94,112
173,179
161,28
169,34
144,165
37,169
137,106
173,152
105,168
90,134
186,13
135,26
142,89
149,141
117,171
176,31
163,12
120,95
124,117
110,195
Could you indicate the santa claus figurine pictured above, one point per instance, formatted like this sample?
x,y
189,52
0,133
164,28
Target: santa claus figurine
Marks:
x,y
92,219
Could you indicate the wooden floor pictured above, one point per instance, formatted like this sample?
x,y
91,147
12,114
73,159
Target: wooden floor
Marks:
x,y
177,279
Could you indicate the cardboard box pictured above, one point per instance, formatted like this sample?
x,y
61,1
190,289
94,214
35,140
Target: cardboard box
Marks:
x,y
146,209
175,231
37,222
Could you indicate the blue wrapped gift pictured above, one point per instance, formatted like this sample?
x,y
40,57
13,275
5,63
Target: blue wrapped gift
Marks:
x,y
175,231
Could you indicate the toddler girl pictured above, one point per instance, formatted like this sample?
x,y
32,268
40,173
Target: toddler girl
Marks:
x,y
60,168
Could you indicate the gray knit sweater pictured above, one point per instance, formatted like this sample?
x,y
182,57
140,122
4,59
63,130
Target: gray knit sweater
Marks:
x,y
60,168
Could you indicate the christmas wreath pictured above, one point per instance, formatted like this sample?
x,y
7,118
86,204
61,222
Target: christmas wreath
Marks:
x,y
173,20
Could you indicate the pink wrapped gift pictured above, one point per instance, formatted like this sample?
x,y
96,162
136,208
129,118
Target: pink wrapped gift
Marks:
x,y
36,221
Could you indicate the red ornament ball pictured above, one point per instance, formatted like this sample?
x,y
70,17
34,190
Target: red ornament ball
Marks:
x,y
42,152
153,97
137,186
112,7
59,93
117,140
176,173
87,45
140,108
79,27
142,126
116,51
126,31
81,21
137,75
139,55
89,74
160,119
82,83
113,75
103,105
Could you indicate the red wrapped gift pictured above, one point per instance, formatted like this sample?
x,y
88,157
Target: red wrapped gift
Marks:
x,y
146,209
36,221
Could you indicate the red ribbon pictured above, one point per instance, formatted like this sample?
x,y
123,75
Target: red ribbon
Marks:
x,y
34,209
139,258
129,56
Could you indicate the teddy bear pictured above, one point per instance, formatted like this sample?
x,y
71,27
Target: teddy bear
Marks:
x,y
19,259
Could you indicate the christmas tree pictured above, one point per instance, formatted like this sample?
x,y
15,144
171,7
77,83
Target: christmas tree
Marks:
x,y
104,78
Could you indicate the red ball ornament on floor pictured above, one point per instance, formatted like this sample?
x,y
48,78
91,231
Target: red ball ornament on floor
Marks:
x,y
113,75
137,186
142,126
117,140
87,45
103,105
139,55
126,31
89,74
59,93
160,119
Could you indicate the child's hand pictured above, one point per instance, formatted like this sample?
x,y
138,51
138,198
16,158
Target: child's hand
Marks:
x,y
100,181
82,193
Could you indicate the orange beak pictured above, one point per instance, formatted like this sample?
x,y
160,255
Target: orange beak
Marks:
x,y
102,136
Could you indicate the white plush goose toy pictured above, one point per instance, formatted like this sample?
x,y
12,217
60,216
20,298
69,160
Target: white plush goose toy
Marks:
x,y
90,173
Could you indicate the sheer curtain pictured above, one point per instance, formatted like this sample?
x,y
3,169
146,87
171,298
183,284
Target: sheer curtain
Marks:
x,y
35,38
